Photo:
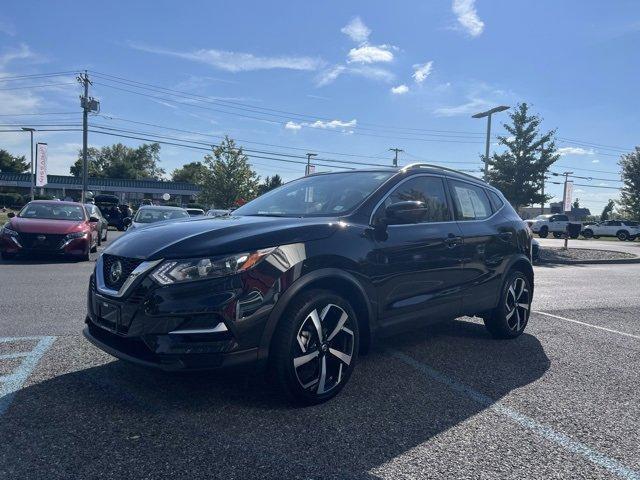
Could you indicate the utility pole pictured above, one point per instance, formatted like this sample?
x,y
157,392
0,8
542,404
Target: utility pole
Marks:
x,y
395,160
88,105
488,114
544,172
308,169
31,130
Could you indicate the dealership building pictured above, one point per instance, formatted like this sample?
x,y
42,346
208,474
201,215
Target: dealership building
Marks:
x,y
129,191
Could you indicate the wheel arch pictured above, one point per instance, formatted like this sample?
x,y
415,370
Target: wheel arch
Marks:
x,y
521,263
331,279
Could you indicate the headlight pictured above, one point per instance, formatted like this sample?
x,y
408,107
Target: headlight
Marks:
x,y
8,231
174,271
71,236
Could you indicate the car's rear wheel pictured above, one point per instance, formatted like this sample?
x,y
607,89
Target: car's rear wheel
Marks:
x,y
622,235
544,231
510,318
588,233
557,235
315,347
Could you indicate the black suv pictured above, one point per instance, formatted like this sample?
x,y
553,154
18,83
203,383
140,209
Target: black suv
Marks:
x,y
302,279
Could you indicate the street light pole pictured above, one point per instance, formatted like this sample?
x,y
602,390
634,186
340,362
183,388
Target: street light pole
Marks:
x,y
308,168
488,114
32,182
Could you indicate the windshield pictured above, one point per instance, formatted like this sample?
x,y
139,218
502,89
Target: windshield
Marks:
x,y
157,215
331,194
52,211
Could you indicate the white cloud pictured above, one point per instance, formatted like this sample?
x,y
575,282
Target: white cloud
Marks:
x,y
342,125
239,61
472,106
356,30
400,90
370,54
422,71
467,16
292,126
575,151
23,52
329,75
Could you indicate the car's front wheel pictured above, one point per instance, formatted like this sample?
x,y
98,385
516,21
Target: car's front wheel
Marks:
x,y
315,347
544,231
510,317
622,235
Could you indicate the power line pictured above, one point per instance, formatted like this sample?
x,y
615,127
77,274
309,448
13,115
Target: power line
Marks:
x,y
38,75
26,87
37,114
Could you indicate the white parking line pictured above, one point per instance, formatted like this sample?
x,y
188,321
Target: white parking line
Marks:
x,y
10,384
524,421
610,330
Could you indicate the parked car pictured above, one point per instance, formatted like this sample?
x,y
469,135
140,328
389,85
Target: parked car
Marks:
x,y
109,206
148,214
195,212
550,223
50,227
535,250
217,212
102,224
301,280
623,229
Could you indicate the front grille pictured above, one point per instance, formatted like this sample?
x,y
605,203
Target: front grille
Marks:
x,y
128,266
43,242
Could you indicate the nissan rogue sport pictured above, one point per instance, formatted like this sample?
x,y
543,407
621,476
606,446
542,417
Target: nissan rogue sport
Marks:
x,y
301,280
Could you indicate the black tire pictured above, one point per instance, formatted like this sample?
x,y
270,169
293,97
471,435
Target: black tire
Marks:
x,y
106,234
557,235
632,238
574,236
544,231
510,317
588,233
622,235
297,341
99,239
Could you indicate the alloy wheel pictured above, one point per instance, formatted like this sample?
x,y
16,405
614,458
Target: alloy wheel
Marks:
x,y
517,303
324,349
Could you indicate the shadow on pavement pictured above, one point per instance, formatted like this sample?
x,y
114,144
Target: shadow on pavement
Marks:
x,y
120,421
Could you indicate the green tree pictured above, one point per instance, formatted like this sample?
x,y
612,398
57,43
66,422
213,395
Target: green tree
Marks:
x,y
120,161
518,171
630,195
269,184
230,180
607,210
12,164
194,172
576,203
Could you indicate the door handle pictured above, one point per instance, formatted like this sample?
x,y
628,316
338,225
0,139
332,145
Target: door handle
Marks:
x,y
452,241
505,236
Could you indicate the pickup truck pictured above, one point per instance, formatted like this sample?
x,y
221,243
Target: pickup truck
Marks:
x,y
623,229
552,223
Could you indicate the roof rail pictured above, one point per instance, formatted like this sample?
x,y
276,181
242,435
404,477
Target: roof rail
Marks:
x,y
420,164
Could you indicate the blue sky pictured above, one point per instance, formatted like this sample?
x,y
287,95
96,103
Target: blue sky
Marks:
x,y
361,76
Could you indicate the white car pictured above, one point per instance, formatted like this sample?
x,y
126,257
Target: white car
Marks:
x,y
623,229
555,223
148,214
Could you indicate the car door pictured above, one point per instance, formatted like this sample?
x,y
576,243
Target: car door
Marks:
x,y
489,240
416,266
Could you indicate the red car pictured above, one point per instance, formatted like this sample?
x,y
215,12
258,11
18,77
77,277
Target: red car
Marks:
x,y
50,227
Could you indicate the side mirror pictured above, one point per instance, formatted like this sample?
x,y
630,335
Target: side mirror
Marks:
x,y
409,211
94,219
11,215
126,221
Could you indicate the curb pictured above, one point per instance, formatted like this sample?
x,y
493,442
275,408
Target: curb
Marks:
x,y
613,261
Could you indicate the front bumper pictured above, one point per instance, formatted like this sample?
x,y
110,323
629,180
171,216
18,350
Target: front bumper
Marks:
x,y
208,324
59,246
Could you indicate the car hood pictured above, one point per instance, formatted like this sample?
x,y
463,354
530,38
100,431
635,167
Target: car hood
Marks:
x,y
40,225
208,236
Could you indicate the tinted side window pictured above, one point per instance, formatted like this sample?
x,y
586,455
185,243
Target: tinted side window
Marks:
x,y
562,218
471,202
428,190
496,201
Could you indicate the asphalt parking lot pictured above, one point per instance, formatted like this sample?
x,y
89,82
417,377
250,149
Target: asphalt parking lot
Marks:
x,y
561,401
